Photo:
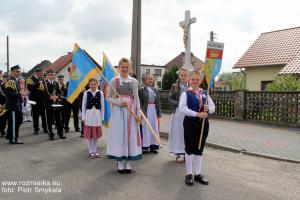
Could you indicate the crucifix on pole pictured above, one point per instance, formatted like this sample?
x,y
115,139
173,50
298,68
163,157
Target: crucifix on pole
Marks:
x,y
187,39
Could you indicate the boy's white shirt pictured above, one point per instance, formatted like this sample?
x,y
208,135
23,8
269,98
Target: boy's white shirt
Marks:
x,y
183,108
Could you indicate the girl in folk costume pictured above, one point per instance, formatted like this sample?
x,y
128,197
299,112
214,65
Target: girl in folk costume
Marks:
x,y
192,105
176,139
92,115
150,105
124,141
26,107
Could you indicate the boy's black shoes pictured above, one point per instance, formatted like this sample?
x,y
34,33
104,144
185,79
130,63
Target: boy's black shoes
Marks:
x,y
189,179
201,179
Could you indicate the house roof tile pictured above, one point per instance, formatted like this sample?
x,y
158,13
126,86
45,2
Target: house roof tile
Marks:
x,y
179,61
60,62
273,48
292,67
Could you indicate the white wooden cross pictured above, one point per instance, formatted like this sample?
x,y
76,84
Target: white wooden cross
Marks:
x,y
187,39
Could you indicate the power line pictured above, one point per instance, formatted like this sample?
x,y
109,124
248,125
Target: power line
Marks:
x,y
233,39
25,8
176,48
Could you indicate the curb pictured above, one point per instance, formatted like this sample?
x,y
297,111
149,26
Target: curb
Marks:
x,y
242,151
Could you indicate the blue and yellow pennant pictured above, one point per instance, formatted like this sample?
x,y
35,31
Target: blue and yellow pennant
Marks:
x,y
82,69
108,72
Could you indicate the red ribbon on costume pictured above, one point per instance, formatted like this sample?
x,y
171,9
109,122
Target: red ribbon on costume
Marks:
x,y
132,105
199,95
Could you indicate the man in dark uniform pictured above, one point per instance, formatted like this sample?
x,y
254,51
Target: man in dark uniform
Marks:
x,y
52,94
74,107
3,113
45,76
37,91
62,87
14,105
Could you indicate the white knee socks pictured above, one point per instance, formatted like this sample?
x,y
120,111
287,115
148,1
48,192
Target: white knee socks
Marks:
x,y
189,163
121,164
90,145
128,165
94,145
124,164
198,164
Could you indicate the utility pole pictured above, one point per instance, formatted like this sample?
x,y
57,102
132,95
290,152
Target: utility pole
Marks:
x,y
136,39
211,36
7,53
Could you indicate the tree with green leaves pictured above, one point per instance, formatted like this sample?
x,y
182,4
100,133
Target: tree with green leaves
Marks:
x,y
284,83
234,81
169,78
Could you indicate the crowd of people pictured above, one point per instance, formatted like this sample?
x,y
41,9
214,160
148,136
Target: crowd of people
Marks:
x,y
40,96
129,136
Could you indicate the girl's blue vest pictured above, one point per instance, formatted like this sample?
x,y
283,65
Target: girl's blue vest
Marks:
x,y
93,100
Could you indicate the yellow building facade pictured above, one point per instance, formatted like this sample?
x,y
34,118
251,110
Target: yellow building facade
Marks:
x,y
258,77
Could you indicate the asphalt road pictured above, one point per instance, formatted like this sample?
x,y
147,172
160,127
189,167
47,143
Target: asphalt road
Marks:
x,y
61,169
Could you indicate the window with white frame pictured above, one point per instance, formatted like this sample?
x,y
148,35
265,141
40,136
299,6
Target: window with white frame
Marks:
x,y
157,72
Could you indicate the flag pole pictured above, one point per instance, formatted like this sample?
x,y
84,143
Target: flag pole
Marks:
x,y
208,79
135,116
203,120
115,91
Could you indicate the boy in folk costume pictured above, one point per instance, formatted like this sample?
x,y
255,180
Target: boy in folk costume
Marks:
x,y
150,105
124,142
176,139
192,105
92,115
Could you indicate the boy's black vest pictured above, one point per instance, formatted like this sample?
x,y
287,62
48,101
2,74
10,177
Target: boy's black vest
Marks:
x,y
93,100
193,101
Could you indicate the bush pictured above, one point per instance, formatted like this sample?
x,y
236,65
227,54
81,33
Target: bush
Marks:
x,y
169,78
284,83
234,81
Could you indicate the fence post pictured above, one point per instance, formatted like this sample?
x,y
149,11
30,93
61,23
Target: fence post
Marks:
x,y
286,108
240,105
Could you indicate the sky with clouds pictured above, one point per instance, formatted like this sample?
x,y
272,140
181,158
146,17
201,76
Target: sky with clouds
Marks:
x,y
47,29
